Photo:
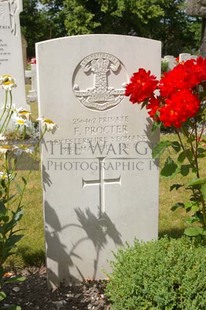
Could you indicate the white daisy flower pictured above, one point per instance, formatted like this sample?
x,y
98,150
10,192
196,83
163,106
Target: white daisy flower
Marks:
x,y
23,113
7,82
21,122
48,124
7,148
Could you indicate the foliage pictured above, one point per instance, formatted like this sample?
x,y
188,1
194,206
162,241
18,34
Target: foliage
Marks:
x,y
157,19
179,105
33,25
164,274
9,236
164,66
163,20
177,31
39,23
17,135
54,13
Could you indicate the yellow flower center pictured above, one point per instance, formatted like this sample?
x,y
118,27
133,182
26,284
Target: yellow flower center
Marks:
x,y
7,79
24,112
48,121
20,122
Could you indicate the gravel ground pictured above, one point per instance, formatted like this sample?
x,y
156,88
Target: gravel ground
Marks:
x,y
33,294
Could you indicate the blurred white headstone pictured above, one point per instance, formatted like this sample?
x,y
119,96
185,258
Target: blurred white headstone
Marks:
x,y
11,56
171,60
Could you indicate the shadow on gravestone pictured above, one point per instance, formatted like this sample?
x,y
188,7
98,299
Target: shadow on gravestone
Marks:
x,y
104,228
58,255
151,135
46,178
88,222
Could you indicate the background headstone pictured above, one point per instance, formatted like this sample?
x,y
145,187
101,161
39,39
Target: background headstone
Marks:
x,y
171,60
100,181
31,74
186,56
11,59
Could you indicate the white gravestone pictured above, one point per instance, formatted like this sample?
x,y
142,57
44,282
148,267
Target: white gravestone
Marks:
x,y
32,96
172,62
11,56
100,181
186,56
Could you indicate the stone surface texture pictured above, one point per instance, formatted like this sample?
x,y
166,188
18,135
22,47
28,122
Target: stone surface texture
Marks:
x,y
100,181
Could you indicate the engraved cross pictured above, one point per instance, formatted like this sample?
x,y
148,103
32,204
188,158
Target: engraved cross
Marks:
x,y
101,182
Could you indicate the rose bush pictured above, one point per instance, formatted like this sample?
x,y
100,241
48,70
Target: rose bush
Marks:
x,y
178,101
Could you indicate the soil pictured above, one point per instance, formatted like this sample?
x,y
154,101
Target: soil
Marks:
x,y
33,294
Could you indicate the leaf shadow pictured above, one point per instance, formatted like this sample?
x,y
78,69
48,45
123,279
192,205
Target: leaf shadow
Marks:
x,y
64,258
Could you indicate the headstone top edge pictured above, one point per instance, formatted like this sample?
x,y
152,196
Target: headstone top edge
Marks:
x,y
92,36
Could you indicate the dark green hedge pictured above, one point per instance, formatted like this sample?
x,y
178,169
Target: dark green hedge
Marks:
x,y
165,274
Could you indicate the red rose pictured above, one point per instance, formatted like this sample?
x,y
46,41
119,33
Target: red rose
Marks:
x,y
179,108
141,87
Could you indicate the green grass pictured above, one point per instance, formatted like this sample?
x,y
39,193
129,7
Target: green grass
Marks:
x,y
30,249
171,222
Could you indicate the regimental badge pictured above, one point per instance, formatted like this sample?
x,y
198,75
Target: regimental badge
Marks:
x,y
104,71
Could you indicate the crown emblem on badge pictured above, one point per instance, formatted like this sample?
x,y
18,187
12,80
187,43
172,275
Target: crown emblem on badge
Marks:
x,y
101,96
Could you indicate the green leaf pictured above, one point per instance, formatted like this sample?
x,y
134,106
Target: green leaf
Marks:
x,y
176,146
155,126
194,218
2,295
170,168
15,279
194,208
184,170
12,307
4,219
14,232
203,190
186,154
189,155
175,186
18,214
181,157
195,182
24,180
191,205
201,150
193,231
3,209
177,205
13,239
15,219
159,149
